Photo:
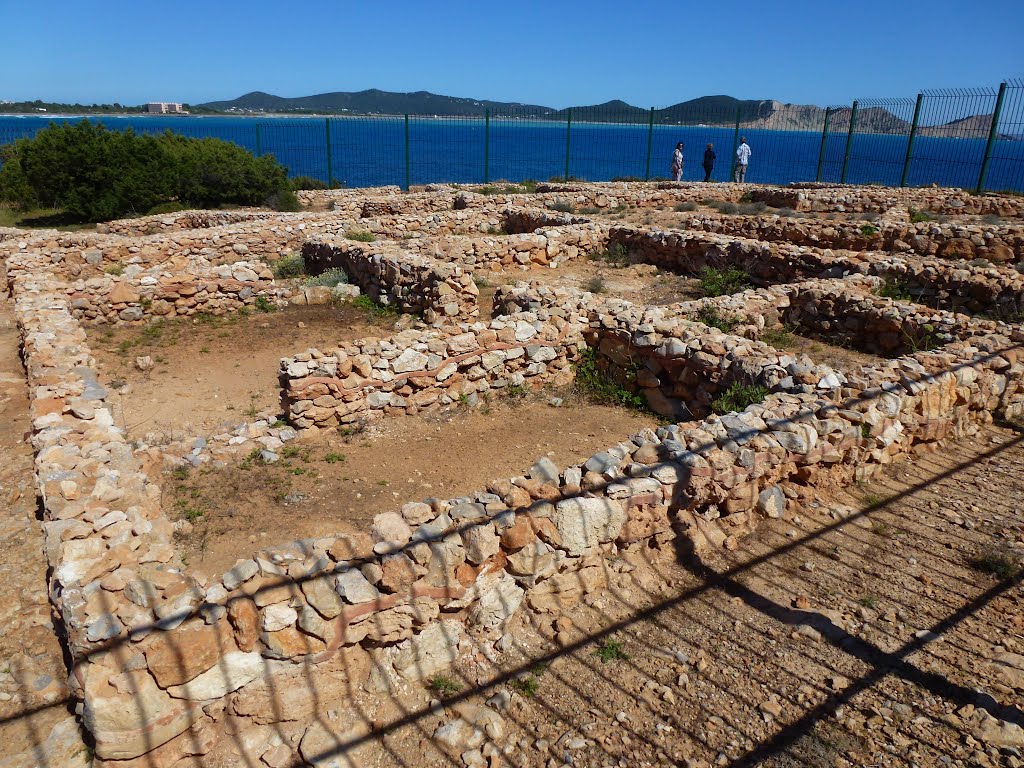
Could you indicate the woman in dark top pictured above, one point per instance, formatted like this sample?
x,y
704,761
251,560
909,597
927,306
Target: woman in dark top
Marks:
x,y
709,162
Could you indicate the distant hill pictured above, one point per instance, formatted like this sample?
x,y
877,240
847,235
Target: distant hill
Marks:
x,y
706,110
372,102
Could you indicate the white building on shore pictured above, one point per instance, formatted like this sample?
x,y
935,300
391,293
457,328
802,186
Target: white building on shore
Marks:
x,y
165,108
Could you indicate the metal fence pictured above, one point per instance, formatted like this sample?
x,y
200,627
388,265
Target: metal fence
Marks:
x,y
962,138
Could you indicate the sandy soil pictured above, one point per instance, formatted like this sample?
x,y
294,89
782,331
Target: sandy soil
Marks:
x,y
334,484
215,373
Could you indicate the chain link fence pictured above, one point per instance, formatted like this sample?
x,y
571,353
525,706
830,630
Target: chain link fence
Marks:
x,y
971,138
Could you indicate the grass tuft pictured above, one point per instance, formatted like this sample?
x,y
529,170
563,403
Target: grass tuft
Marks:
x,y
737,397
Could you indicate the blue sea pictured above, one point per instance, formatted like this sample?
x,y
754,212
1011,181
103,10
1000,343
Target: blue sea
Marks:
x,y
371,151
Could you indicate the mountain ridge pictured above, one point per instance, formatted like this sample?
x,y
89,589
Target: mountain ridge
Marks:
x,y
719,110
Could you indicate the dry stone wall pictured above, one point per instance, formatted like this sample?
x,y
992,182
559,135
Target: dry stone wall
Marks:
x,y
422,371
996,243
438,291
853,199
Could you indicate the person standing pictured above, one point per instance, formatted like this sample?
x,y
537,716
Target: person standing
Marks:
x,y
742,158
677,162
709,161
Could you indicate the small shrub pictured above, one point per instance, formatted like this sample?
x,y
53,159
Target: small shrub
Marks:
x,y
737,397
307,182
263,304
596,284
334,457
723,282
562,206
114,269
284,199
747,197
865,430
611,650
594,383
165,208
710,317
589,211
330,278
615,254
894,289
361,237
867,230
683,207
292,265
529,185
916,216
999,562
373,310
516,391
777,337
869,601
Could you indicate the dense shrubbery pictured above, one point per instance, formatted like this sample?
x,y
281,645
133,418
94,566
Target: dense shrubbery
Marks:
x,y
98,174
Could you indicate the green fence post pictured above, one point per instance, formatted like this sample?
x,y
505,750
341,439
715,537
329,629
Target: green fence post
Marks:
x,y
735,144
910,141
993,133
487,143
259,146
849,141
650,139
408,176
330,169
568,134
824,138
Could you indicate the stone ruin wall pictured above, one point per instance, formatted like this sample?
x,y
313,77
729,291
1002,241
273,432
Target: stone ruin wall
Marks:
x,y
422,371
168,662
854,199
996,243
389,275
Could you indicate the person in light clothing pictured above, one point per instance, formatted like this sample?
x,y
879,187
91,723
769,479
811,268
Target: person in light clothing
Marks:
x,y
677,162
742,158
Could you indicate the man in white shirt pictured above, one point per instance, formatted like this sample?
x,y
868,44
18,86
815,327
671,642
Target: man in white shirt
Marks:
x,y
742,158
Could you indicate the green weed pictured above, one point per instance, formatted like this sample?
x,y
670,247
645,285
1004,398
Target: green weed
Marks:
x,y
723,282
999,562
611,650
334,458
895,289
780,338
362,237
599,387
374,310
867,230
737,397
444,685
114,269
916,216
615,254
263,304
710,317
562,206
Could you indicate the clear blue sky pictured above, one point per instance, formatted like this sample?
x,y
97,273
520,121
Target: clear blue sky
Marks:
x,y
557,53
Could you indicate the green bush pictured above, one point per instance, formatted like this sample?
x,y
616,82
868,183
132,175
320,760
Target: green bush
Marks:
x,y
600,388
723,282
361,237
307,182
867,230
97,174
292,265
737,397
330,278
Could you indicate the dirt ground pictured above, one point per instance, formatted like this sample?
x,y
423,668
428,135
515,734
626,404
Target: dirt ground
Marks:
x,y
862,630
213,373
37,726
332,484
840,358
640,283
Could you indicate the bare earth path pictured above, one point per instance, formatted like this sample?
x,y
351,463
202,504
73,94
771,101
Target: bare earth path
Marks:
x,y
35,727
